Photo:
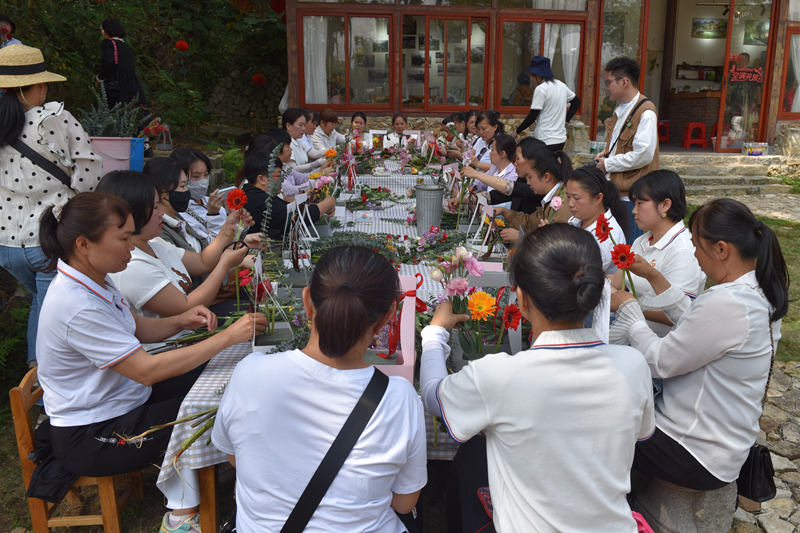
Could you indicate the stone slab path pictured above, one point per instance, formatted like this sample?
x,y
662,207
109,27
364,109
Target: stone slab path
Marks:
x,y
780,206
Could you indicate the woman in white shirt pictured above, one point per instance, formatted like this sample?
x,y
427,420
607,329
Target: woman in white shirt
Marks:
x,y
206,212
488,125
666,246
294,122
715,363
99,383
158,279
589,194
325,135
281,412
503,150
562,419
395,137
26,189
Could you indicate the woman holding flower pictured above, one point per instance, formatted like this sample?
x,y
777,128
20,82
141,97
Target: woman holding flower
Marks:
x,y
326,137
665,248
715,363
488,125
205,212
158,279
99,382
544,173
561,420
589,195
281,412
294,123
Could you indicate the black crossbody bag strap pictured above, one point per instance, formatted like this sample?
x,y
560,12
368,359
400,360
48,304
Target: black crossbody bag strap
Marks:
x,y
337,454
626,124
40,161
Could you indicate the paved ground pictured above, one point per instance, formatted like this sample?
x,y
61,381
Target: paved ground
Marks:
x,y
780,206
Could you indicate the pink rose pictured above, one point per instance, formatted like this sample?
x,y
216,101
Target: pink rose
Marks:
x,y
457,286
474,267
556,203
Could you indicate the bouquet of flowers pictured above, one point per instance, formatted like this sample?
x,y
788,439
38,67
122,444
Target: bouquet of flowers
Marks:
x,y
323,187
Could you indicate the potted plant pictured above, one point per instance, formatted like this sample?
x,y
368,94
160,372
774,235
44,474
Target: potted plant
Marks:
x,y
113,132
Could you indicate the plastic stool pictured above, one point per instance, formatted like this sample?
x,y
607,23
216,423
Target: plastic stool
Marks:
x,y
663,131
688,135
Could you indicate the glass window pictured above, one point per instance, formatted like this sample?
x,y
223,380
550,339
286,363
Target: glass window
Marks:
x,y
369,60
452,52
521,41
790,102
324,60
794,10
448,2
357,1
567,5
477,62
621,26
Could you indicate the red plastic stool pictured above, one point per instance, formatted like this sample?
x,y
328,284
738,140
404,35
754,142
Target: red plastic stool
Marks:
x,y
689,137
663,131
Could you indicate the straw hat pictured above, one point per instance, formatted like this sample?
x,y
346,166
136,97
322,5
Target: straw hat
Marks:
x,y
22,65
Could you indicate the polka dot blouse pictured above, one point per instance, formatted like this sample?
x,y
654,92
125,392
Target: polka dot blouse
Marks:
x,y
26,190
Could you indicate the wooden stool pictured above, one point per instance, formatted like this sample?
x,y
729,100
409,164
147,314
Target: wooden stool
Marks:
x,y
669,508
23,397
689,137
663,131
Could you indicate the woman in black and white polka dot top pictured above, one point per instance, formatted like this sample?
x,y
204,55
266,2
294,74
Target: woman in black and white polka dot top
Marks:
x,y
26,189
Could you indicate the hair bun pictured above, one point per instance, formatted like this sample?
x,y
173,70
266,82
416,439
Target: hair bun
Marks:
x,y
588,283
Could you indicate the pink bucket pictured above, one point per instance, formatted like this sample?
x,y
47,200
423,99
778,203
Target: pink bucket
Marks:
x,y
115,151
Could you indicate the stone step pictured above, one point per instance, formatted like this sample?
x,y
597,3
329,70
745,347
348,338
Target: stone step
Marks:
x,y
729,180
717,159
734,190
703,169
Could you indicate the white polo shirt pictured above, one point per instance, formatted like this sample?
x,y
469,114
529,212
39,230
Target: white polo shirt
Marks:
x,y
673,256
551,99
84,330
561,421
606,246
146,275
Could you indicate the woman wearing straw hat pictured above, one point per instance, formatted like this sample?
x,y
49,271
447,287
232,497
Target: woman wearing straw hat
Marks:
x,y
58,163
549,105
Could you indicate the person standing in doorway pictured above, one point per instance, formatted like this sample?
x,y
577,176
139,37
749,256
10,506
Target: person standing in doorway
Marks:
x,y
631,132
549,105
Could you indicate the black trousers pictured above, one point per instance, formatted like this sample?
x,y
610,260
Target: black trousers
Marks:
x,y
556,147
467,489
663,458
96,450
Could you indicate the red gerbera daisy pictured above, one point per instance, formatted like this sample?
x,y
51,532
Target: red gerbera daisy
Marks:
x,y
622,256
364,197
511,316
602,229
182,45
236,199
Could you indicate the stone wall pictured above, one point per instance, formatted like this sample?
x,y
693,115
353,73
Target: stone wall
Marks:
x,y
787,139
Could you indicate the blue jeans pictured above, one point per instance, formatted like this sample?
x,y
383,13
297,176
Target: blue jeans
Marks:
x,y
23,264
633,229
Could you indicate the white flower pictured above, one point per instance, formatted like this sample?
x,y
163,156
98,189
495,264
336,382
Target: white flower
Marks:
x,y
462,252
436,275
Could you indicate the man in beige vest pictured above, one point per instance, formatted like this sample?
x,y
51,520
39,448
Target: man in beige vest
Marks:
x,y
631,132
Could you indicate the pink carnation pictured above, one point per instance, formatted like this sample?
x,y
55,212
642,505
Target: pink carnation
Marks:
x,y
474,267
457,286
556,203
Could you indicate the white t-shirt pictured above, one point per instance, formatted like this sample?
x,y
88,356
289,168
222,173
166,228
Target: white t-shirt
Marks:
x,y
561,421
551,98
146,275
673,256
84,330
606,246
482,151
715,364
279,416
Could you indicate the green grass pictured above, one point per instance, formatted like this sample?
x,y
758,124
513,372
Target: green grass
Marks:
x,y
789,236
793,181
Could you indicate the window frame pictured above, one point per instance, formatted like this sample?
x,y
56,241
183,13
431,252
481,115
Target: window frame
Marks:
x,y
351,12
792,28
546,17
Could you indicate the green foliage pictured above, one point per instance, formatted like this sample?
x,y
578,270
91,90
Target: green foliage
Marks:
x,y
12,335
122,120
232,161
221,38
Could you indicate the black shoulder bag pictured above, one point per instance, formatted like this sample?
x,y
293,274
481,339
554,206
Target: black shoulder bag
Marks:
x,y
627,124
40,161
337,454
756,478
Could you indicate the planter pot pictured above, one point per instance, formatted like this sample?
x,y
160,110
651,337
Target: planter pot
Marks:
x,y
120,153
429,207
324,229
459,359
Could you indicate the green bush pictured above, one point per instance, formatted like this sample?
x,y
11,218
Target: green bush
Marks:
x,y
221,38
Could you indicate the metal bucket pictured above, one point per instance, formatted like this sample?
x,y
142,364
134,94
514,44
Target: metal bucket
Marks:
x,y
429,207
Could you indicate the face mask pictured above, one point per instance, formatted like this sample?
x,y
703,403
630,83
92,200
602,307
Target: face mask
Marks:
x,y
179,200
198,188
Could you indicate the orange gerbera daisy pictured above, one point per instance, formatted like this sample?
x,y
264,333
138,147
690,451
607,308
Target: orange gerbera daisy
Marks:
x,y
330,153
481,306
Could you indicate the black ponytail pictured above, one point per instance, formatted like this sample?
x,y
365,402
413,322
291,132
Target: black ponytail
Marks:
x,y
544,160
88,214
494,120
12,116
594,182
731,221
559,268
352,287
